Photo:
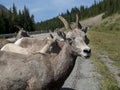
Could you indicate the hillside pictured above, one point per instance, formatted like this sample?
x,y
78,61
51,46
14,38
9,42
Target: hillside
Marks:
x,y
105,41
92,21
108,7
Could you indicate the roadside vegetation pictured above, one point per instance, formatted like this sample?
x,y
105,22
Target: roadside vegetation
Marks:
x,y
105,37
107,80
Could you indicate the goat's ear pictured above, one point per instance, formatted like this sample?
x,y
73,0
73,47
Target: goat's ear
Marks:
x,y
51,36
62,35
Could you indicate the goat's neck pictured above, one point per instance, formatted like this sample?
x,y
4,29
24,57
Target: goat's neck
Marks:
x,y
64,63
45,48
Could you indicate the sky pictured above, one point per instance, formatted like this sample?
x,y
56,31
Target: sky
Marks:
x,y
46,9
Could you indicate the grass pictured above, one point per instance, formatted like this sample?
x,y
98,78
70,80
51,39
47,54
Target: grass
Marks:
x,y
105,37
108,82
108,42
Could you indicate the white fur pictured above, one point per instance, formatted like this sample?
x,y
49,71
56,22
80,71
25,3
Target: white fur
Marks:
x,y
18,42
45,48
14,48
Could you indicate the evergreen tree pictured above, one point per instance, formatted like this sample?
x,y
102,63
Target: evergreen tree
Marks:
x,y
9,19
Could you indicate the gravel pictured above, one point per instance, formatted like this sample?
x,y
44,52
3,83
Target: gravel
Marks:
x,y
83,77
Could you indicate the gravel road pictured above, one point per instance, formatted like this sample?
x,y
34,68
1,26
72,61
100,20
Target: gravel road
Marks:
x,y
83,77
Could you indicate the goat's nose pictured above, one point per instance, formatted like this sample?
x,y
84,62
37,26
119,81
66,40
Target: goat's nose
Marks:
x,y
87,50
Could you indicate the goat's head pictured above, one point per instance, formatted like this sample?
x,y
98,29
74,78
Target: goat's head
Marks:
x,y
77,38
50,40
21,33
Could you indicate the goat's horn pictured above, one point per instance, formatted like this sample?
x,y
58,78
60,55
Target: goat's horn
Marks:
x,y
78,25
66,24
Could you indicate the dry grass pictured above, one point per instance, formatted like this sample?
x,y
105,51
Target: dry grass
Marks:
x,y
107,42
93,20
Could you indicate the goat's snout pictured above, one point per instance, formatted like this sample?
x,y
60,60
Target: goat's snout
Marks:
x,y
87,51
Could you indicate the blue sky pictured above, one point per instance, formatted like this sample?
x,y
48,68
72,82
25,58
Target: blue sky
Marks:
x,y
46,9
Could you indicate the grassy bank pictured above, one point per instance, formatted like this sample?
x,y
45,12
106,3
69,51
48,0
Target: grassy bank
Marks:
x,y
105,37
107,80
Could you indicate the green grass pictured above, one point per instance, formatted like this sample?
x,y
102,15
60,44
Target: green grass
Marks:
x,y
105,37
107,42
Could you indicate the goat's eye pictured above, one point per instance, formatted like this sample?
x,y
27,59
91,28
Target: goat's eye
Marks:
x,y
69,39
